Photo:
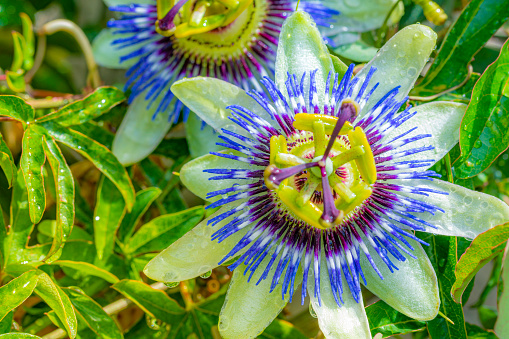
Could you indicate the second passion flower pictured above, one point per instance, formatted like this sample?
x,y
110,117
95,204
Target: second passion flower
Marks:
x,y
323,184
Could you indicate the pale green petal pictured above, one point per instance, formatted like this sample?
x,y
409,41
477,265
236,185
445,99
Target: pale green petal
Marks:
x,y
209,97
201,139
139,134
108,55
250,308
128,2
198,182
467,213
301,49
502,324
441,119
411,290
399,62
347,321
195,253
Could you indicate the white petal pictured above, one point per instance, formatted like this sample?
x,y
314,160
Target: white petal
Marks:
x,y
209,97
347,321
467,213
139,134
412,290
250,308
399,62
198,182
440,119
301,49
108,55
194,254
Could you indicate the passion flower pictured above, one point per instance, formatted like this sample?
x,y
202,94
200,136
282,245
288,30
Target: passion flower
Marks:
x,y
160,43
323,184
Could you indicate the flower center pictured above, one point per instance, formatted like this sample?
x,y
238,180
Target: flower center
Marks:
x,y
185,18
322,173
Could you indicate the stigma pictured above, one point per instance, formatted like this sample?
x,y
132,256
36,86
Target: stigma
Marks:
x,y
323,171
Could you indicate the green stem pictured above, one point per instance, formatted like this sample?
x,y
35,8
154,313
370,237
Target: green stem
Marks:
x,y
73,29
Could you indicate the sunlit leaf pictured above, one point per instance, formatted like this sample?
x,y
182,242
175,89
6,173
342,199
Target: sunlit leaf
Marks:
x,y
166,229
108,213
53,295
387,321
99,155
18,335
484,132
14,107
7,162
6,323
484,248
154,302
16,291
31,163
476,24
19,47
91,107
144,199
15,81
64,188
502,324
93,314
87,269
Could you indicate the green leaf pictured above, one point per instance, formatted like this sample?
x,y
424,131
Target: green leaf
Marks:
x,y
64,188
17,335
443,254
28,34
17,291
484,132
87,269
387,321
7,162
6,323
108,213
93,314
144,199
92,106
16,81
99,155
476,24
154,302
15,246
19,47
339,66
14,107
53,295
31,163
502,324
488,316
483,249
281,329
165,229
475,332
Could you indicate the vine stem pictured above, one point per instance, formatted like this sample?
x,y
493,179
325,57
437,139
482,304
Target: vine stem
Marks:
x,y
39,57
111,309
73,29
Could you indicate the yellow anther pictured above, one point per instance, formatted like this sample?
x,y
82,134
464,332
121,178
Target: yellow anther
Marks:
x,y
362,191
307,191
305,122
309,212
365,163
344,192
289,159
199,12
205,25
432,11
319,137
347,156
277,145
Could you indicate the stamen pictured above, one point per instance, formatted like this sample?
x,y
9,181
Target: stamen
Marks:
x,y
289,159
305,122
365,163
348,156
